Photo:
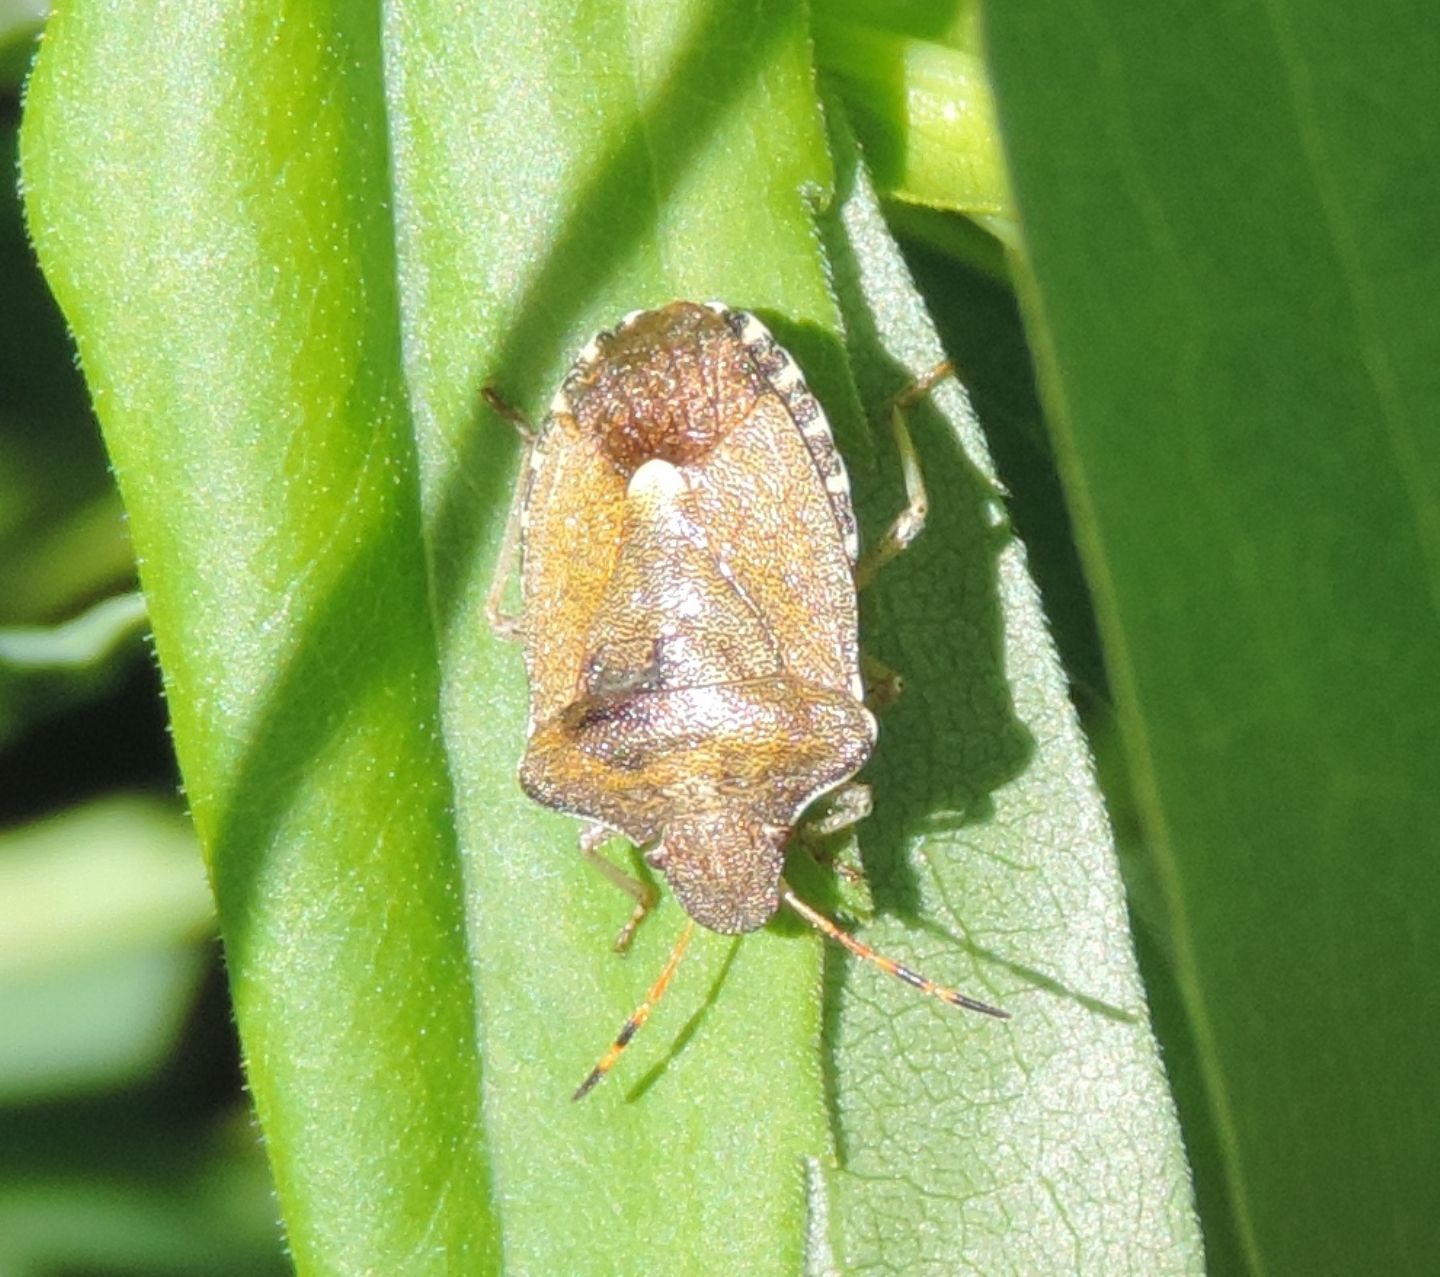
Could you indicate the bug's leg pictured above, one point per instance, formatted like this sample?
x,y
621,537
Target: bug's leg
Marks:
x,y
911,520
849,805
592,837
883,686
899,970
506,625
637,1017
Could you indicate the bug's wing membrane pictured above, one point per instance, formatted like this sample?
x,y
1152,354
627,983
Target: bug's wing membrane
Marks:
x,y
763,500
574,515
636,760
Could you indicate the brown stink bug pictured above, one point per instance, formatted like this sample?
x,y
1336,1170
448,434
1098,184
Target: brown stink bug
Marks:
x,y
690,562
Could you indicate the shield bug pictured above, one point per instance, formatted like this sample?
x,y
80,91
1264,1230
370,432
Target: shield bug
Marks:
x,y
689,618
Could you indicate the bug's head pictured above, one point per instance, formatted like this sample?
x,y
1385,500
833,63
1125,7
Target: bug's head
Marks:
x,y
723,868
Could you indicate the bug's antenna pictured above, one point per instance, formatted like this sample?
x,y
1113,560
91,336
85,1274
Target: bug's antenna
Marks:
x,y
637,1017
901,972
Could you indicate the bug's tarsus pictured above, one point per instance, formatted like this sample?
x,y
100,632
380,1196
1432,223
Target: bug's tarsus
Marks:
x,y
637,1017
897,969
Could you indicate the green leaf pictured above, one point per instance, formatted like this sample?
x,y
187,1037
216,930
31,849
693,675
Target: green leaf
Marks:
x,y
210,208
63,542
289,277
1231,222
100,913
1060,1150
605,164
925,112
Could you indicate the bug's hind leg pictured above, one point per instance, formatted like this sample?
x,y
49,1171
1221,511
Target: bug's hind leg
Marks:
x,y
592,837
883,685
910,522
506,625
849,805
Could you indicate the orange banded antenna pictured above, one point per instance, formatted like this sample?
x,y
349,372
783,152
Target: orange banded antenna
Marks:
x,y
898,969
637,1017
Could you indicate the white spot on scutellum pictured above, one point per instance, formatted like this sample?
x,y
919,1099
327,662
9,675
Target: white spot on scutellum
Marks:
x,y
656,481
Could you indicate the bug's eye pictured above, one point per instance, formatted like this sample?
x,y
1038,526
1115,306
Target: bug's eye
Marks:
x,y
655,857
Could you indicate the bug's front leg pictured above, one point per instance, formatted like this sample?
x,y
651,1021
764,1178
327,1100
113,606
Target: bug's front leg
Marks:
x,y
910,522
506,625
